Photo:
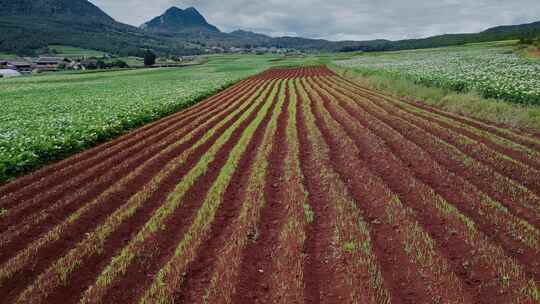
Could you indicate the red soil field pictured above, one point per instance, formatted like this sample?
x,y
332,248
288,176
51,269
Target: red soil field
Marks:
x,y
293,186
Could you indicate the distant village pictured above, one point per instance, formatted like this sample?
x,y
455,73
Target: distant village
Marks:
x,y
256,50
34,65
29,65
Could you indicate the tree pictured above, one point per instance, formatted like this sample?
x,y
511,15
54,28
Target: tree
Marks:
x,y
149,58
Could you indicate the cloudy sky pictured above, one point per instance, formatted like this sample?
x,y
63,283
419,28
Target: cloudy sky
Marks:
x,y
339,19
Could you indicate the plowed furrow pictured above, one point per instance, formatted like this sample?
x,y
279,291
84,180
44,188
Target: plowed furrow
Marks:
x,y
453,234
399,261
514,151
137,277
518,199
341,265
129,199
522,138
518,136
199,272
514,165
259,256
285,284
58,209
320,260
456,179
25,186
168,281
65,179
518,239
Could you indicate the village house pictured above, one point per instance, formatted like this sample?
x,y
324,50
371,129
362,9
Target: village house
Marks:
x,y
75,65
89,64
236,50
20,66
5,73
43,64
49,61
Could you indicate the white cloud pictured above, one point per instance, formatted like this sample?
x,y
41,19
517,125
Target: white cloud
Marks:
x,y
340,19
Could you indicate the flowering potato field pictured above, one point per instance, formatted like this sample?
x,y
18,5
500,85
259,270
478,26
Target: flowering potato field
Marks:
x,y
292,186
493,71
48,117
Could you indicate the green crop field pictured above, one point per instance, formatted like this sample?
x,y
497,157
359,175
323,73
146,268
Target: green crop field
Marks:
x,y
491,69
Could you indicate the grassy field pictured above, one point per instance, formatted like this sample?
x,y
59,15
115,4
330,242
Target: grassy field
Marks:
x,y
292,186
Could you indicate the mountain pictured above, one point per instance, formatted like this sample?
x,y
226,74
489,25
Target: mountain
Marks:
x,y
177,20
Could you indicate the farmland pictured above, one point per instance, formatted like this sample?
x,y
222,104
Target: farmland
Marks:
x,y
491,69
50,117
292,186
